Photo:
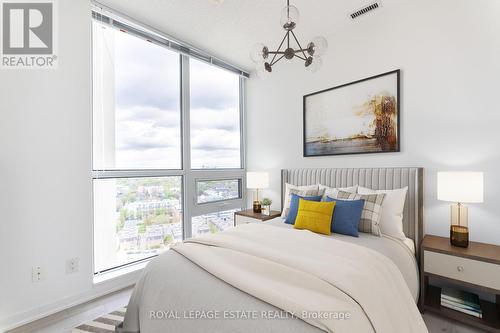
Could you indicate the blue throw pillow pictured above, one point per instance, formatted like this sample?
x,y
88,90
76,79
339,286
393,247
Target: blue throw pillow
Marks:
x,y
346,216
294,207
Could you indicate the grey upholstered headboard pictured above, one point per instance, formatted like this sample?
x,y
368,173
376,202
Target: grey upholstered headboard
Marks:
x,y
375,178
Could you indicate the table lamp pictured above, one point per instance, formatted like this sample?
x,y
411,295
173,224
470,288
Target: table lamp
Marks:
x,y
460,187
257,181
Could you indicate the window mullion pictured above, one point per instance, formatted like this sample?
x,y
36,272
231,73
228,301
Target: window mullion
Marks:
x,y
243,141
105,174
242,124
188,182
213,207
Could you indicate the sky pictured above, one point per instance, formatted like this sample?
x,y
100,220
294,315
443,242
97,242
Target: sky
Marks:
x,y
147,108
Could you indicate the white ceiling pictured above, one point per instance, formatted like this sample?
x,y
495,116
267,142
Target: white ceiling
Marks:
x,y
229,30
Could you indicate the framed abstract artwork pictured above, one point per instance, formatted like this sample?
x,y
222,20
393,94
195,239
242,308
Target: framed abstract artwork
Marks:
x,y
360,117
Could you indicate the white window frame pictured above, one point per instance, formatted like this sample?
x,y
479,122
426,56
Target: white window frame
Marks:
x,y
190,206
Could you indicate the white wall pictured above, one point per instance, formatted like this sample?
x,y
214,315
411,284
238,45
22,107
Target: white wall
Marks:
x,y
448,51
45,163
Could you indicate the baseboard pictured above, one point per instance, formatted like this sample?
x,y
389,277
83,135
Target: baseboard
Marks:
x,y
98,290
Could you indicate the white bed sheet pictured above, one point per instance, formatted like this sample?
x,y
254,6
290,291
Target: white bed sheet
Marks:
x,y
411,244
402,253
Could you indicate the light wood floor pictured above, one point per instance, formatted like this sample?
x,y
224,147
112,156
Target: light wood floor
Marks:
x,y
63,322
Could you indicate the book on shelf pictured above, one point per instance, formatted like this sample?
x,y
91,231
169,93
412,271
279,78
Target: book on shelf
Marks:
x,y
461,301
463,310
461,306
459,296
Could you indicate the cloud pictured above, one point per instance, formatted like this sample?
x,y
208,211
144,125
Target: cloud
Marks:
x,y
212,87
215,138
147,135
136,130
144,113
165,158
149,75
215,159
142,144
145,73
225,119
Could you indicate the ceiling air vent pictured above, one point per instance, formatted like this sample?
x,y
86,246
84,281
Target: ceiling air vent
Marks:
x,y
365,10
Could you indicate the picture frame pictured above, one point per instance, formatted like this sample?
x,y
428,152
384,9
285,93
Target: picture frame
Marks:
x,y
359,117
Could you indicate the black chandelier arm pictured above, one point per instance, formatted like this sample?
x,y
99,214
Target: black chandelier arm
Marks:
x,y
276,52
279,47
300,47
300,57
272,63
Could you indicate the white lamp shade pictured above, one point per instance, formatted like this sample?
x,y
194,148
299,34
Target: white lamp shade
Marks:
x,y
463,187
257,180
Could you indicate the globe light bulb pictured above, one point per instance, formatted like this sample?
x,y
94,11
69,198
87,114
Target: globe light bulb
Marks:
x,y
289,17
318,46
262,72
258,53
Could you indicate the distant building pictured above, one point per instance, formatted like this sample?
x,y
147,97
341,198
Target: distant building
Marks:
x,y
128,237
154,236
151,206
176,230
152,190
214,222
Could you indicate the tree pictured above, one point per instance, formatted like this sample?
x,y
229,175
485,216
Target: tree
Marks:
x,y
168,239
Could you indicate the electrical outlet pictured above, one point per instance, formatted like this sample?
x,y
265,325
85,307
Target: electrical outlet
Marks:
x,y
37,274
72,265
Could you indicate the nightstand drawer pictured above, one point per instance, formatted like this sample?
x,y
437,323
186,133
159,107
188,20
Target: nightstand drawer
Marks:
x,y
245,219
472,271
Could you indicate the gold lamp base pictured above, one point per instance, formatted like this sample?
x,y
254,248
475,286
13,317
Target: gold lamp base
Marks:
x,y
459,236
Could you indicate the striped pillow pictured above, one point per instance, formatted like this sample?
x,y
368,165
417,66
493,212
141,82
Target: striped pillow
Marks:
x,y
370,217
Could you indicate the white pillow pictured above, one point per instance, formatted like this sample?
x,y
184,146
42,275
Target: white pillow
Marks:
x,y
391,219
332,192
303,191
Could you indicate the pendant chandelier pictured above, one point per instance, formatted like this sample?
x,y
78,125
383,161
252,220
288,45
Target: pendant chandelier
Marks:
x,y
311,55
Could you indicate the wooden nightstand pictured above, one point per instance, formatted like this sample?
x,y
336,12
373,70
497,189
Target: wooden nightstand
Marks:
x,y
475,268
248,216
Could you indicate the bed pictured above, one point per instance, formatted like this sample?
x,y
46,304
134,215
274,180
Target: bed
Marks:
x,y
269,277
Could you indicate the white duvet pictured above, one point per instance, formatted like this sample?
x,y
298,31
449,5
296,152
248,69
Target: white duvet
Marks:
x,y
315,278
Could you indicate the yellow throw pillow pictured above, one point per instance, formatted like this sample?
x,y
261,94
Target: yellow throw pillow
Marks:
x,y
315,216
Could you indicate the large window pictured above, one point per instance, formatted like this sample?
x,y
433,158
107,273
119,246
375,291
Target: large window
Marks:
x,y
167,145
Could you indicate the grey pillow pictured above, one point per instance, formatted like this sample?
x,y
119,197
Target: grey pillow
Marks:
x,y
370,216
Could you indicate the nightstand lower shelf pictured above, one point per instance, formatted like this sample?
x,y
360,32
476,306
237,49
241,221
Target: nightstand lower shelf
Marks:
x,y
490,321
